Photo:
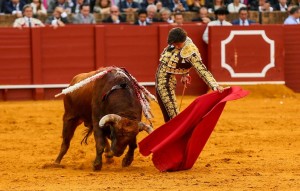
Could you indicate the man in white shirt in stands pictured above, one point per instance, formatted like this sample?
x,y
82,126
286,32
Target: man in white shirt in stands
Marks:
x,y
221,21
27,20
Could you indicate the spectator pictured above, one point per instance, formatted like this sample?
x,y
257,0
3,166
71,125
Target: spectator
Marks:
x,y
221,21
178,19
151,11
84,17
296,2
178,5
281,6
27,20
166,15
2,6
194,5
102,6
245,2
142,18
65,4
265,6
146,3
129,6
45,4
294,16
159,6
203,16
38,8
214,5
243,18
253,5
14,7
76,7
235,6
58,18
115,16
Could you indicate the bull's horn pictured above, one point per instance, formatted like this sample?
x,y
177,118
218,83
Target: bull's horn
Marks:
x,y
109,118
145,127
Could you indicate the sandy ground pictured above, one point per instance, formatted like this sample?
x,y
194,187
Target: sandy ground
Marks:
x,y
255,146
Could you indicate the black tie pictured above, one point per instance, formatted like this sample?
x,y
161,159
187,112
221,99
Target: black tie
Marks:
x,y
29,23
221,23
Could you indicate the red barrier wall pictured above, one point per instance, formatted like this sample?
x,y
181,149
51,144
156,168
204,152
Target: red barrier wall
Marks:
x,y
251,54
292,57
132,47
15,61
54,56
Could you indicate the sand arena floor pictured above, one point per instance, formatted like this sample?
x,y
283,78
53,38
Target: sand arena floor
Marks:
x,y
255,146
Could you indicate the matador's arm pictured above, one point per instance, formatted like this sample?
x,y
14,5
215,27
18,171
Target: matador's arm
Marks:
x,y
203,72
191,54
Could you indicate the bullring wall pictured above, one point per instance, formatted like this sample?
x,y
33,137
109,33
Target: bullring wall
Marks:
x,y
37,63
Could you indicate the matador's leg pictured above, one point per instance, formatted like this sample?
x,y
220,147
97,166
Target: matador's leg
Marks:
x,y
165,90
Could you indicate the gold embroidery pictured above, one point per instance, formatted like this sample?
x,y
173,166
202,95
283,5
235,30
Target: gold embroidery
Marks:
x,y
177,71
202,71
189,49
165,76
165,86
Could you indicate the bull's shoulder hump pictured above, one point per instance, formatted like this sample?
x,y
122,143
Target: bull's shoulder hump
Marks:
x,y
82,76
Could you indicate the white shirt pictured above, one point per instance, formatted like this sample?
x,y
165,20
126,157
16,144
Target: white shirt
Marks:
x,y
245,23
214,23
34,9
260,9
283,8
149,20
142,23
24,22
17,9
234,9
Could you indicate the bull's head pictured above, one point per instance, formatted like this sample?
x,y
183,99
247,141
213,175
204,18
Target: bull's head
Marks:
x,y
123,132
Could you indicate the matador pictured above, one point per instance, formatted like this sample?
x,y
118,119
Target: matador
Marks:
x,y
179,57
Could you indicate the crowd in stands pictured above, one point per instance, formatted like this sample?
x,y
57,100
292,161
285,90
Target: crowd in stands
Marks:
x,y
169,11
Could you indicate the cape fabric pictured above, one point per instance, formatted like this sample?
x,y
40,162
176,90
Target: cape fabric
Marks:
x,y
177,144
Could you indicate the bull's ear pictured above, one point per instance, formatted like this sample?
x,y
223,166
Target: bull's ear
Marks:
x,y
145,127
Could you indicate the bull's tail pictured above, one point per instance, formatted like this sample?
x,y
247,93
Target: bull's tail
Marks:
x,y
86,134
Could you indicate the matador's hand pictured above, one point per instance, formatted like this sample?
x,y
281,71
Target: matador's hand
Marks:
x,y
186,79
220,89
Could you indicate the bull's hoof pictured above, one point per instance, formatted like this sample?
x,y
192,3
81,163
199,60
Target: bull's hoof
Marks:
x,y
97,167
127,161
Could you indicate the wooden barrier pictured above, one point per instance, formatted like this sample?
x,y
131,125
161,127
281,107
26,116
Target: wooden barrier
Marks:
x,y
46,59
7,20
275,17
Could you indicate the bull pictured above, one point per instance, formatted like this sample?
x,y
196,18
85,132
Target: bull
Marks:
x,y
110,108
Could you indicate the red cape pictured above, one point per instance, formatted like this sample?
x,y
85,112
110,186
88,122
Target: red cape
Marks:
x,y
177,144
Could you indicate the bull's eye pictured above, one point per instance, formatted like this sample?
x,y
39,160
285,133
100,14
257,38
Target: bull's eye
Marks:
x,y
124,85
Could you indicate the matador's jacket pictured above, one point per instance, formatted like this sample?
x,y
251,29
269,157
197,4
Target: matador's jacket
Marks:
x,y
174,61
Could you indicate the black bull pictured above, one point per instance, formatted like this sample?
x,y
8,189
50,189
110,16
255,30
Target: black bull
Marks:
x,y
112,94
